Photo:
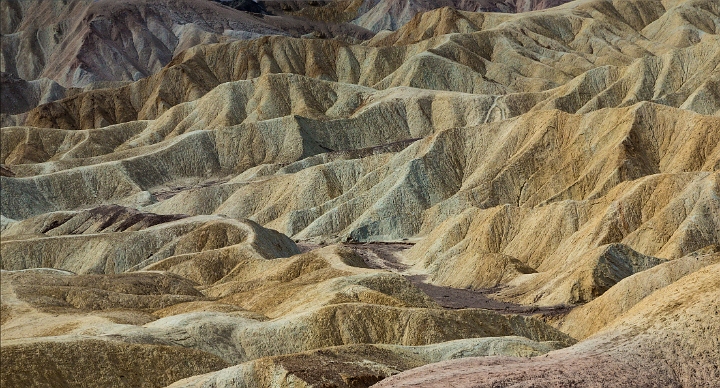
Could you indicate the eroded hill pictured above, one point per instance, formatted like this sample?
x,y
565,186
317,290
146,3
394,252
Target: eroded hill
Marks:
x,y
538,192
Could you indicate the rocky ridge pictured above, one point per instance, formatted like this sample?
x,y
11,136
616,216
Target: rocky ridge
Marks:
x,y
233,208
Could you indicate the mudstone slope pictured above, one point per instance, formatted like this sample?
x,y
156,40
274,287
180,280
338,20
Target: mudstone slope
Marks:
x,y
271,194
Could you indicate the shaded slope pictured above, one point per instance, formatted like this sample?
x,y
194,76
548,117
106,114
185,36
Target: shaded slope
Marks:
x,y
379,15
20,96
71,242
82,41
594,316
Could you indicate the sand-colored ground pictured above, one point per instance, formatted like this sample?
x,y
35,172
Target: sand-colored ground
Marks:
x,y
270,194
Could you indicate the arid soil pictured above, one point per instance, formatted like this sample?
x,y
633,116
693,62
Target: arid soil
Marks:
x,y
467,193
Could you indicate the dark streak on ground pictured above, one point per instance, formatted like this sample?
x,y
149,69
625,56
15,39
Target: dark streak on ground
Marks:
x,y
6,172
382,255
458,298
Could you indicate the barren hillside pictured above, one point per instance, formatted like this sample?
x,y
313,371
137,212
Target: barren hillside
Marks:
x,y
254,194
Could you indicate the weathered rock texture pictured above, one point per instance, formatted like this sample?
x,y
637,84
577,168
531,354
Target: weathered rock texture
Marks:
x,y
83,43
79,42
221,196
390,15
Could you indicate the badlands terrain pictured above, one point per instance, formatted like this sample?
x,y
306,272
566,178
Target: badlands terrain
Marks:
x,y
465,193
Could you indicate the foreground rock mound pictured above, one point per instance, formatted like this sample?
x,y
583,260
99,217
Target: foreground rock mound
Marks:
x,y
643,348
360,365
108,363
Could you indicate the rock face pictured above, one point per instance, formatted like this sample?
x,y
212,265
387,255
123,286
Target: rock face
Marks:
x,y
205,193
81,42
377,15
